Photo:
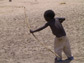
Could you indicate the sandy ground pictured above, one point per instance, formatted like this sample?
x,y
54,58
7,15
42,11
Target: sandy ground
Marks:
x,y
17,45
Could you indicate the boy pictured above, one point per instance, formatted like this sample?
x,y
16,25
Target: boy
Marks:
x,y
61,40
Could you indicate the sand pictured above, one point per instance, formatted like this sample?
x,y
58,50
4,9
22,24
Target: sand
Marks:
x,y
17,45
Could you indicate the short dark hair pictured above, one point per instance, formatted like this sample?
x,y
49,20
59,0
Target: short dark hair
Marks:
x,y
49,13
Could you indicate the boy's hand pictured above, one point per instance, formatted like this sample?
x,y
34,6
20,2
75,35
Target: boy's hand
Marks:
x,y
31,31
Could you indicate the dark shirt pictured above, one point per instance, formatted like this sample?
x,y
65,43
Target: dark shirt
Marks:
x,y
56,27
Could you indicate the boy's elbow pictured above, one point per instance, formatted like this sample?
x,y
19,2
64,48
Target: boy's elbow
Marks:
x,y
63,19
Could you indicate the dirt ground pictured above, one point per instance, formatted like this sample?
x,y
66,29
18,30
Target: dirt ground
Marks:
x,y
17,45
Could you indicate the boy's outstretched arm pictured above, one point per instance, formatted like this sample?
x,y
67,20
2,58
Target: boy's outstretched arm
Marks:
x,y
39,29
61,19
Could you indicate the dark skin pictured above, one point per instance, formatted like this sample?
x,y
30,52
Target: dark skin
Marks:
x,y
47,19
10,0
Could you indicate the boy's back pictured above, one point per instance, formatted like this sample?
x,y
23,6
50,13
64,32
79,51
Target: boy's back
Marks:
x,y
56,27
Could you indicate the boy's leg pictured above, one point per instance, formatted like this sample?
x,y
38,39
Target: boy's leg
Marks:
x,y
58,48
67,49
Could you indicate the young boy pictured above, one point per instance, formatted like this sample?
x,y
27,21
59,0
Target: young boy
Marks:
x,y
61,41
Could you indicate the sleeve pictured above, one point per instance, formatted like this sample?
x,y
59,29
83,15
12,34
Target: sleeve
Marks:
x,y
61,19
41,28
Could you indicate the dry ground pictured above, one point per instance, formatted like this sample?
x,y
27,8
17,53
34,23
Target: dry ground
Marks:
x,y
17,45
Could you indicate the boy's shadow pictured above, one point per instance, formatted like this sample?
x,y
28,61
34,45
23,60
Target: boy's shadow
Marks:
x,y
64,61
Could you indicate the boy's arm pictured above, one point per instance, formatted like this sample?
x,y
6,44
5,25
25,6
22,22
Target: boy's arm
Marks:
x,y
39,29
61,19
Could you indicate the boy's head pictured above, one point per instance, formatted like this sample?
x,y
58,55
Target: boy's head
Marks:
x,y
48,15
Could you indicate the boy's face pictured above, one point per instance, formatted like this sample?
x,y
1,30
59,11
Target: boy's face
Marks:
x,y
47,18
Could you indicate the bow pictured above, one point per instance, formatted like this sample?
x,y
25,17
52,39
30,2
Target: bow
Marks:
x,y
26,20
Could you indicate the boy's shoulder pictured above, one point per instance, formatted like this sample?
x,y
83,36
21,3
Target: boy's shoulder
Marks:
x,y
60,19
56,19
